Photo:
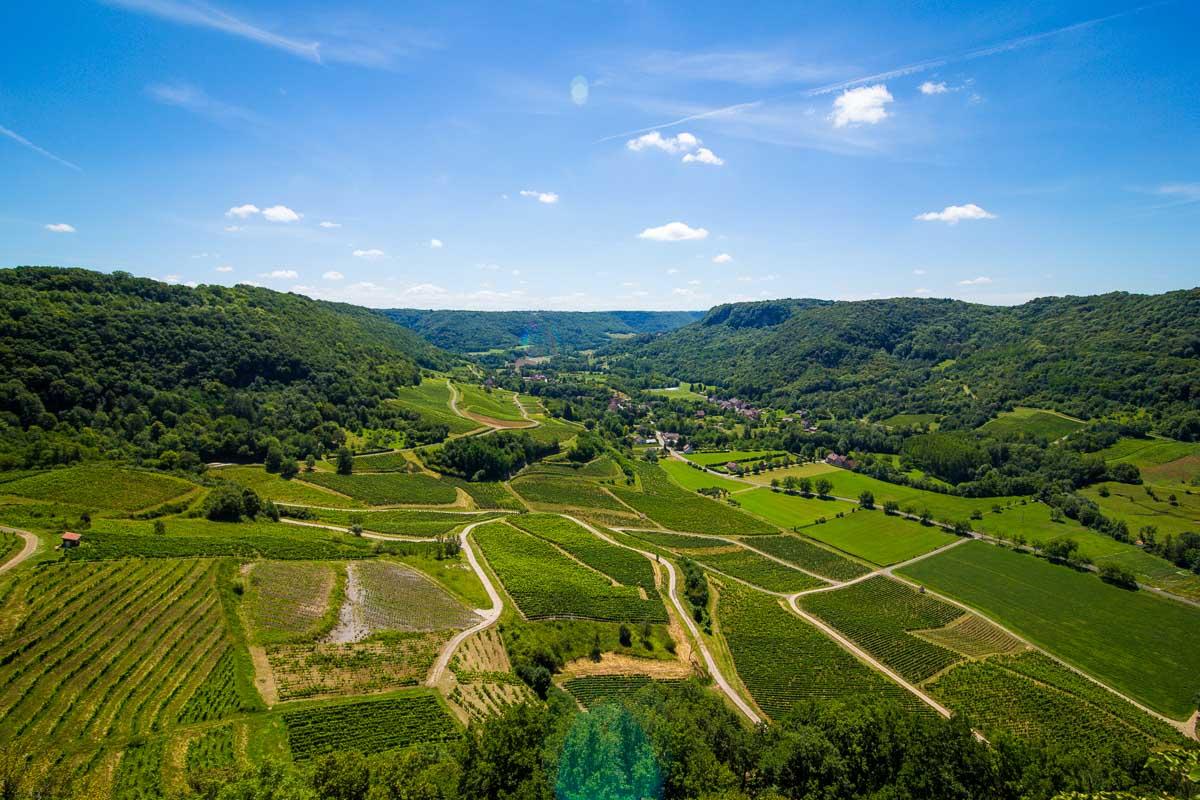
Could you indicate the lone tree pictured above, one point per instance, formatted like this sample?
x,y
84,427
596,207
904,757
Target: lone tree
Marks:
x,y
345,461
288,469
823,487
866,499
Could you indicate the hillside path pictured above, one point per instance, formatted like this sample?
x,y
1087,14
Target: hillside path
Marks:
x,y
490,615
31,545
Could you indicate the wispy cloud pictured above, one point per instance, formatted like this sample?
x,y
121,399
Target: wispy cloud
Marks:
x,y
21,140
549,198
1178,194
952,215
746,67
982,280
60,227
197,101
202,15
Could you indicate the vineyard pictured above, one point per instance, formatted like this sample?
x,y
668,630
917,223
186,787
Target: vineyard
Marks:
x,y
211,752
399,598
497,404
396,461
754,568
280,490
290,601
544,583
100,486
370,726
382,663
676,541
139,772
243,540
672,506
811,557
394,522
880,538
973,636
487,494
878,613
387,488
623,566
593,690
783,660
558,492
105,652
431,400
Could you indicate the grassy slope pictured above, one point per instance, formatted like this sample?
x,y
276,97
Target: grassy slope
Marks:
x,y
880,538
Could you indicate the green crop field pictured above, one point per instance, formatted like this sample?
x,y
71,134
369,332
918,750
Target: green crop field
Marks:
x,y
384,489
807,555
1031,422
398,521
1139,644
290,600
684,391
671,506
692,478
431,400
295,491
100,486
561,492
370,726
594,690
756,569
1032,697
711,459
624,566
790,511
394,461
783,660
880,538
544,583
878,615
498,404
1160,460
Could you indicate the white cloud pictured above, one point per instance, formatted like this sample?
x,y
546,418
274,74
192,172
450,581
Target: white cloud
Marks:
x,y
333,275
372,253
225,268
682,292
929,87
425,289
920,291
242,211
233,228
204,16
704,156
654,140
328,224
436,244
281,274
980,281
694,282
255,284
549,198
918,271
172,279
280,214
60,227
722,258
955,214
1180,193
673,232
191,284
862,105
516,273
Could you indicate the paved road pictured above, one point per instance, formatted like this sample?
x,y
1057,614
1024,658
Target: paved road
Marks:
x,y
672,587
490,615
31,545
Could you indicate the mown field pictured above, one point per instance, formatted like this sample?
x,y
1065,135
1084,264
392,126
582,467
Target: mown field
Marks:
x,y
1139,644
791,511
692,478
1031,422
813,471
431,400
736,456
944,507
384,489
880,538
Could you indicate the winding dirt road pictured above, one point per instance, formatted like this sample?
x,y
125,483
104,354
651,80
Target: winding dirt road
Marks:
x,y
490,615
31,546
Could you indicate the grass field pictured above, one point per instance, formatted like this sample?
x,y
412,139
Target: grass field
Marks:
x,y
684,391
671,506
385,489
799,471
783,660
1138,508
902,420
879,538
1031,520
693,479
432,401
790,511
1160,460
100,486
499,404
273,487
711,459
1031,422
1139,644
544,583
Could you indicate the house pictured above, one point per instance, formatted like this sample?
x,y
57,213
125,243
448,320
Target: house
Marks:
x,y
844,462
71,539
670,439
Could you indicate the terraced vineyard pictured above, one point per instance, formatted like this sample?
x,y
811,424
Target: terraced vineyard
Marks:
x,y
386,489
544,583
431,400
812,557
877,615
624,566
593,690
370,726
106,652
672,506
783,660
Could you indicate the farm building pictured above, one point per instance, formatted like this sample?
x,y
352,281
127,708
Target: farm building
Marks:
x,y
840,461
71,539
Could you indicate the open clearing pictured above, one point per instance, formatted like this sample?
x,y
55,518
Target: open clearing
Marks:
x,y
1031,422
1144,646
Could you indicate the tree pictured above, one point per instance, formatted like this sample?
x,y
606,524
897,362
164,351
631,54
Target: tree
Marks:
x,y
345,461
891,507
274,459
607,755
806,486
625,635
341,776
866,499
160,527
824,485
310,462
224,504
288,469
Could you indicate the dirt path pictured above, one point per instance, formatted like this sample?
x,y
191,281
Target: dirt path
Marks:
x,y
490,615
31,546
672,590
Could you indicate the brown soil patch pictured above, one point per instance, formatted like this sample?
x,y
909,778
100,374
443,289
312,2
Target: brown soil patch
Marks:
x,y
620,664
264,678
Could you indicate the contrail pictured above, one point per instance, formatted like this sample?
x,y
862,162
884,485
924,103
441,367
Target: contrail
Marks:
x,y
19,139
898,72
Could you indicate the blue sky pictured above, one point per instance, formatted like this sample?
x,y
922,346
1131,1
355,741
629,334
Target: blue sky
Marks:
x,y
532,155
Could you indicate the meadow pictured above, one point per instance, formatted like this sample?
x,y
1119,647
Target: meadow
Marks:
x,y
880,538
905,420
706,459
791,511
100,486
1031,422
1138,507
813,470
1144,646
692,478
943,507
384,489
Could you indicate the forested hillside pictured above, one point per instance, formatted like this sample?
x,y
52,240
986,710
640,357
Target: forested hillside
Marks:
x,y
477,331
116,365
1086,356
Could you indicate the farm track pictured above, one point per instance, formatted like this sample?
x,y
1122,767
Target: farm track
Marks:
x,y
490,615
491,423
31,545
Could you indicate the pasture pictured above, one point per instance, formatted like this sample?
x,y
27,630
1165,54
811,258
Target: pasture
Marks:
x,y
387,489
880,538
691,478
791,511
1035,422
100,486
1144,646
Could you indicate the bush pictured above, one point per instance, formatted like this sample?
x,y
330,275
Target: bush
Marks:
x,y
1118,576
345,461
